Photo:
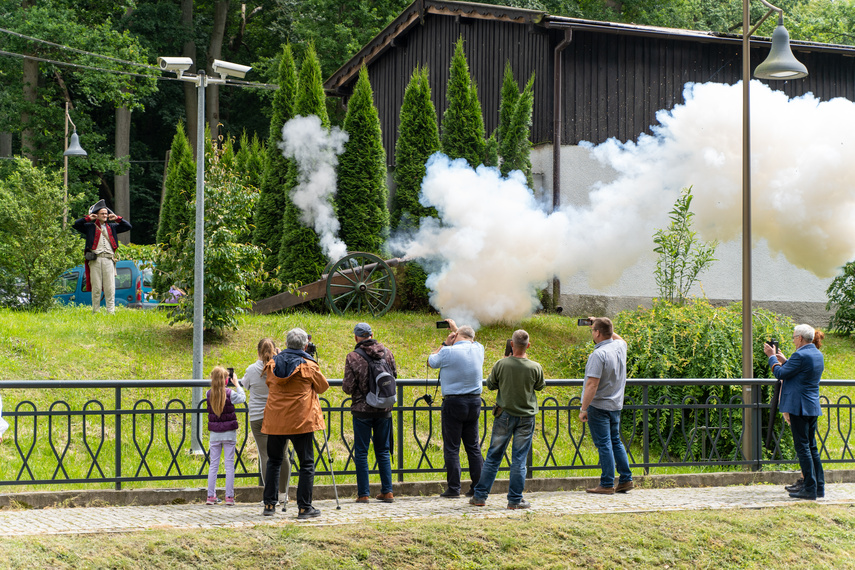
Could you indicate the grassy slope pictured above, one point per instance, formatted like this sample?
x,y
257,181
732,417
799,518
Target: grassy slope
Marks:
x,y
70,343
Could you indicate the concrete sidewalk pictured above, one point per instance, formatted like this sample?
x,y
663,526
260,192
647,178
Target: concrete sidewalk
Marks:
x,y
87,520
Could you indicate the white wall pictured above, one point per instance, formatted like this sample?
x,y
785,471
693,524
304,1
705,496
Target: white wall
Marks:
x,y
777,284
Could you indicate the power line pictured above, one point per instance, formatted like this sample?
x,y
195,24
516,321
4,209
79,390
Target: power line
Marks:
x,y
80,51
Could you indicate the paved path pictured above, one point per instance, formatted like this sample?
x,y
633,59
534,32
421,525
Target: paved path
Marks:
x,y
129,519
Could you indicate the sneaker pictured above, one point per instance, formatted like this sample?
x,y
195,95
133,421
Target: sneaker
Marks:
x,y
362,499
476,502
308,513
230,501
212,501
269,510
449,494
600,490
523,504
625,487
386,497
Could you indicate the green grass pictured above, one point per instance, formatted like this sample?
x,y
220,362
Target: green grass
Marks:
x,y
71,343
801,536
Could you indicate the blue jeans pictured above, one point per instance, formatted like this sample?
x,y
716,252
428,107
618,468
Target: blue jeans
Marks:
x,y
804,440
605,433
506,427
460,422
378,431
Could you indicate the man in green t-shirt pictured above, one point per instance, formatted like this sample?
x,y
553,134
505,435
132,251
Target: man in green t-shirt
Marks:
x,y
516,378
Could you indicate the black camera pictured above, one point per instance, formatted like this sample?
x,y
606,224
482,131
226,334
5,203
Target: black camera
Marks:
x,y
311,349
773,343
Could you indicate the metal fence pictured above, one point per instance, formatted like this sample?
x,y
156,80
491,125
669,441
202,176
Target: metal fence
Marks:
x,y
131,439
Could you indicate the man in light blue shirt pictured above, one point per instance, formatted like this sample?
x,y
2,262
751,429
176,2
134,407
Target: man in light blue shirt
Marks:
x,y
461,364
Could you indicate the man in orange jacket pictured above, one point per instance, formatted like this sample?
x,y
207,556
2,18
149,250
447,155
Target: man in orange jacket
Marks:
x,y
293,412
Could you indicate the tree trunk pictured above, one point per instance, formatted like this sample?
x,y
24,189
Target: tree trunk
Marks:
x,y
30,82
122,182
215,51
5,144
189,50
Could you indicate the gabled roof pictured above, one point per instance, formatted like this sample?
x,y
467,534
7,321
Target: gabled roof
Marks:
x,y
412,16
415,13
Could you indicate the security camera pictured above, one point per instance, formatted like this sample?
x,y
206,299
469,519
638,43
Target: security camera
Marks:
x,y
177,64
226,68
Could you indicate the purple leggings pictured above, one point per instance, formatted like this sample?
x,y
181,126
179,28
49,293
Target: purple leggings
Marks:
x,y
228,447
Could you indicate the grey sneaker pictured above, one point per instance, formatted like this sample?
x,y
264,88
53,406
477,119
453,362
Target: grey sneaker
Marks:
x,y
523,504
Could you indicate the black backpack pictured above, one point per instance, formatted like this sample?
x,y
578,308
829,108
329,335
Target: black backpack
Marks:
x,y
382,391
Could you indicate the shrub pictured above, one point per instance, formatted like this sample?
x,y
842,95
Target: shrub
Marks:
x,y
841,299
695,340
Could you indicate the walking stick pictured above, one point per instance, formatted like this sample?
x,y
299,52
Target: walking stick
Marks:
x,y
335,489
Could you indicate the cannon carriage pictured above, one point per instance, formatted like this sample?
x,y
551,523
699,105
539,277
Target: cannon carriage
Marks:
x,y
359,281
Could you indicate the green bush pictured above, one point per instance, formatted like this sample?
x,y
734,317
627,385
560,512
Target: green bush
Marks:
x,y
695,340
841,299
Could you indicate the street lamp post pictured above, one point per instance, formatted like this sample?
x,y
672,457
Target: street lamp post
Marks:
x,y
180,65
72,148
780,65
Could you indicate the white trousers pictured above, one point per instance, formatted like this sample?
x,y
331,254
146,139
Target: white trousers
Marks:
x,y
102,273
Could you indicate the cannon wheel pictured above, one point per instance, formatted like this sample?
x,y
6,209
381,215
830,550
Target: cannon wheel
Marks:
x,y
360,282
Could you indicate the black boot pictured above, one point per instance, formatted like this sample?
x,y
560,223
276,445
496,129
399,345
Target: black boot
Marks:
x,y
795,487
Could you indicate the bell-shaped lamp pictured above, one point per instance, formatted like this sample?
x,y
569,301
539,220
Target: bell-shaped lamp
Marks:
x,y
74,148
781,63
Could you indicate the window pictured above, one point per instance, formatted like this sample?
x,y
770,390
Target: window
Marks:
x,y
68,283
123,278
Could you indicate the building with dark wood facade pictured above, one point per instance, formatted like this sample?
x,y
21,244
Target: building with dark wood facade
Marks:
x,y
593,81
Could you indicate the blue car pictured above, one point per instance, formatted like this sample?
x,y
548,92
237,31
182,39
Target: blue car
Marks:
x,y
133,287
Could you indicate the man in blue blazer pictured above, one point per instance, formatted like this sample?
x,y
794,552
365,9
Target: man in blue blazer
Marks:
x,y
799,403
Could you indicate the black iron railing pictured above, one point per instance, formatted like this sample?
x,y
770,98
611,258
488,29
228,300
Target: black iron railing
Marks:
x,y
105,441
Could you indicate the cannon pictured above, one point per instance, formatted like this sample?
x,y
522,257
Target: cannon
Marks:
x,y
359,281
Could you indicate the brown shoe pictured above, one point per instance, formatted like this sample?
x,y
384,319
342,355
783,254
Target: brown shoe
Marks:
x,y
625,487
386,497
362,499
600,490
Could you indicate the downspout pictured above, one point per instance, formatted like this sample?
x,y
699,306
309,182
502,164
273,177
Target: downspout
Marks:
x,y
557,126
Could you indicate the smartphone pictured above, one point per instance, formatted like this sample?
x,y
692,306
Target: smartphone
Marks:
x,y
509,347
584,322
442,324
774,344
230,379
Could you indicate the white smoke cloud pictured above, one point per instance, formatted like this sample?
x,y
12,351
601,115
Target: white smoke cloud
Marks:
x,y
316,150
497,246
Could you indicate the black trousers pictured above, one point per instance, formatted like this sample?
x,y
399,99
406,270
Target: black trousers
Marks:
x,y
804,440
304,449
460,422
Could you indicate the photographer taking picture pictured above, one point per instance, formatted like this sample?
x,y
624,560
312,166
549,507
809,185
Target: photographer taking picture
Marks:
x,y
460,360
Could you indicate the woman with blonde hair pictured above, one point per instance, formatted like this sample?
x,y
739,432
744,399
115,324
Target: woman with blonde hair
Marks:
x,y
223,426
254,380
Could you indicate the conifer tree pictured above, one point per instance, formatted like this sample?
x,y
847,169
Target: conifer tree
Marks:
x,y
361,200
176,210
300,257
418,139
462,123
515,147
508,102
277,175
